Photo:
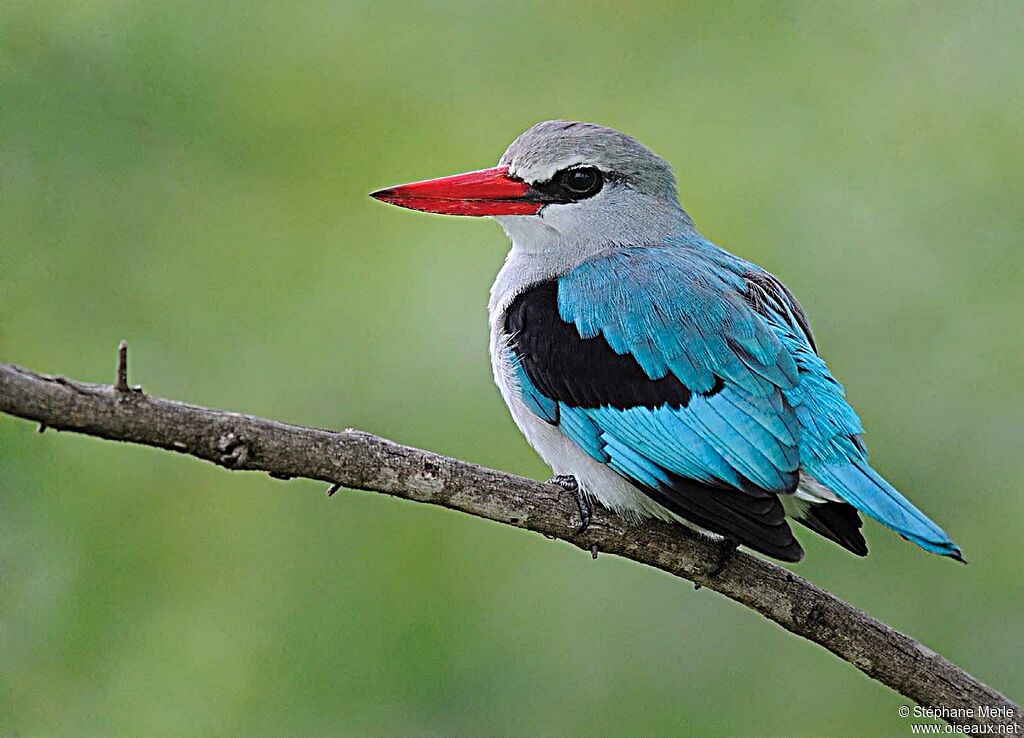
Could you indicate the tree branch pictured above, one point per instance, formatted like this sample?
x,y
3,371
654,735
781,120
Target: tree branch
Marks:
x,y
363,461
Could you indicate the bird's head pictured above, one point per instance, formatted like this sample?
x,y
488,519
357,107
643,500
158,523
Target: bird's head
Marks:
x,y
562,183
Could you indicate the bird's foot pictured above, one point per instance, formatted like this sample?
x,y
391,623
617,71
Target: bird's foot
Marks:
x,y
726,549
569,484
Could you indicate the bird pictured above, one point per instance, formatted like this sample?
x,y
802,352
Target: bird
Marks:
x,y
655,372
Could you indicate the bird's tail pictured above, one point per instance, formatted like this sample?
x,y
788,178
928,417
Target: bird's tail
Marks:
x,y
865,489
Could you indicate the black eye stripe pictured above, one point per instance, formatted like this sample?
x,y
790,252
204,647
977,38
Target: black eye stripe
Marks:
x,y
572,184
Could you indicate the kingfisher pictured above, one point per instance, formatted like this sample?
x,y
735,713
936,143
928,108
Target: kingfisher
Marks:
x,y
655,372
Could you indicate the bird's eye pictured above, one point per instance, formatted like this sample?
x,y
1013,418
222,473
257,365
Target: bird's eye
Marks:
x,y
580,182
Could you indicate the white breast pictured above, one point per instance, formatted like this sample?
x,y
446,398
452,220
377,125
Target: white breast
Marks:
x,y
558,451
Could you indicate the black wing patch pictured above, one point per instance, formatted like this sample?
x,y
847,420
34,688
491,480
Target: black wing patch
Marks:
x,y
581,372
587,373
838,522
756,521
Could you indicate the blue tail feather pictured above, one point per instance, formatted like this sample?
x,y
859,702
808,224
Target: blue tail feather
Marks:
x,y
865,489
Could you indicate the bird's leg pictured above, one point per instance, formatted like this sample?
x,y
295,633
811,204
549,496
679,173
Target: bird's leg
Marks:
x,y
726,549
569,484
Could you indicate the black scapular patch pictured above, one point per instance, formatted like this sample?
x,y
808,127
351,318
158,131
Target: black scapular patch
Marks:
x,y
581,372
586,372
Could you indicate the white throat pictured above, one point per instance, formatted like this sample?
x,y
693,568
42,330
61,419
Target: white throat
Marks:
x,y
549,244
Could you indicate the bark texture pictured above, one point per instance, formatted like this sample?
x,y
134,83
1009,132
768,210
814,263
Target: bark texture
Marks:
x,y
360,460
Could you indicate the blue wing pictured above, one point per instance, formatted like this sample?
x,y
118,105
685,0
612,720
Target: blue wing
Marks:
x,y
830,448
693,374
666,374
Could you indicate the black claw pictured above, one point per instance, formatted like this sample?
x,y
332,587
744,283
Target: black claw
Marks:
x,y
725,552
569,484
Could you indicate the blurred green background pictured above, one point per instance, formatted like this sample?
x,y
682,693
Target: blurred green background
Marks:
x,y
192,176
